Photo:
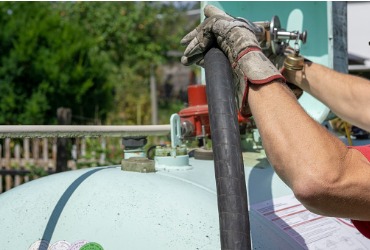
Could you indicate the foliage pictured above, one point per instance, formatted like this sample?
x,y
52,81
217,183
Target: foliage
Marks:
x,y
36,171
169,108
93,57
112,150
46,65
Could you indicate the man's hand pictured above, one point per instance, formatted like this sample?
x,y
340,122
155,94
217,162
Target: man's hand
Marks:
x,y
217,25
237,40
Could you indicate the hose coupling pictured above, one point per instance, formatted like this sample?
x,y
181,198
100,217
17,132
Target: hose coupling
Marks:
x,y
293,62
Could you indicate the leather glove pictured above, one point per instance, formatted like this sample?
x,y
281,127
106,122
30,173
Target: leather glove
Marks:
x,y
236,38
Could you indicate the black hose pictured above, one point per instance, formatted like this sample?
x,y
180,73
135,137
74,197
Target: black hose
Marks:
x,y
228,160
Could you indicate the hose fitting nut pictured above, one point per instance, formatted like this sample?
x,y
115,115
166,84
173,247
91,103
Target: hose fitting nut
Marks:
x,y
293,62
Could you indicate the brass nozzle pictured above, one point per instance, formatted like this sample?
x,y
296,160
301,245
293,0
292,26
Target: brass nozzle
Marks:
x,y
294,62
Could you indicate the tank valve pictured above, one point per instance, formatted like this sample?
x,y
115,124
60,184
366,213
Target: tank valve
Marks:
x,y
279,42
295,61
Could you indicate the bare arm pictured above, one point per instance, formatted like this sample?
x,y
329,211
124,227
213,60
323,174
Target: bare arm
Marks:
x,y
346,95
326,176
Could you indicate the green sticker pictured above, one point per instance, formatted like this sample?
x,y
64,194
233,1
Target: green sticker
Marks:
x,y
92,246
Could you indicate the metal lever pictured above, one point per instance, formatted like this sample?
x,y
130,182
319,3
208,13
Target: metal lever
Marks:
x,y
276,39
280,37
287,35
272,36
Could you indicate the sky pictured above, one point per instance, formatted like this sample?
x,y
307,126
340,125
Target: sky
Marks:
x,y
359,29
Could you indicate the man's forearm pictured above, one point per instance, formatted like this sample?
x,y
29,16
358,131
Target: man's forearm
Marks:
x,y
314,163
287,132
345,95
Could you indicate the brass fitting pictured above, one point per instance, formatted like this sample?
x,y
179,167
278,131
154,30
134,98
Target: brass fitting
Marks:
x,y
293,62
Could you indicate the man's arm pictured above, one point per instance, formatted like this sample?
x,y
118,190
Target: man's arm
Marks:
x,y
326,176
346,95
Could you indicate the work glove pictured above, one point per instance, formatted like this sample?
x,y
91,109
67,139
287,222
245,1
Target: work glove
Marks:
x,y
278,62
237,39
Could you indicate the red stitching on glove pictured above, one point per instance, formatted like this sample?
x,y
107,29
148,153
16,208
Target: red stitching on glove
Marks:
x,y
243,53
269,79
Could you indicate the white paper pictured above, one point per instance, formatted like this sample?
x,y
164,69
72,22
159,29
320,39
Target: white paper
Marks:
x,y
310,230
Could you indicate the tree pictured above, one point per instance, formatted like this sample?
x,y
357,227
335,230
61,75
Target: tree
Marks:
x,y
93,57
136,36
46,64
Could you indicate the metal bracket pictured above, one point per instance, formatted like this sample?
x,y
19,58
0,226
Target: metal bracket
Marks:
x,y
175,130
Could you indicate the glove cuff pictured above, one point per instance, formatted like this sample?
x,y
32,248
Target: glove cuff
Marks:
x,y
253,67
256,67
